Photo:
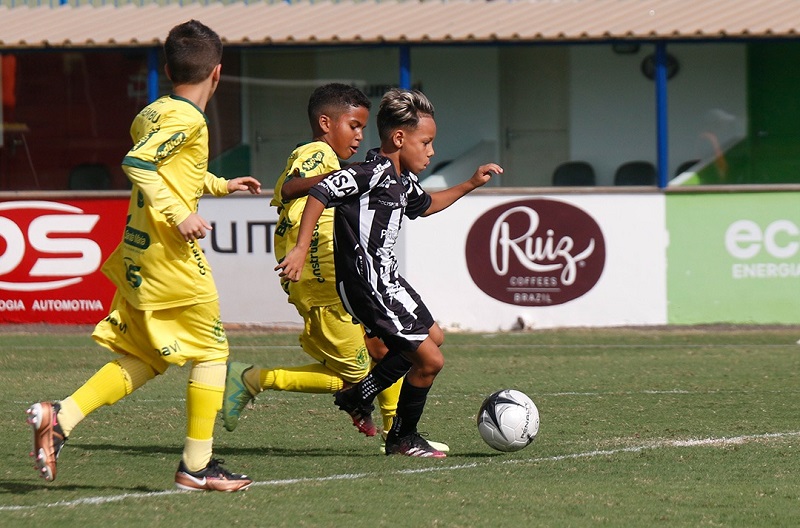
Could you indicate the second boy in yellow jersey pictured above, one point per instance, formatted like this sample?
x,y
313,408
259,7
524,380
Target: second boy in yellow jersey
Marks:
x,y
338,114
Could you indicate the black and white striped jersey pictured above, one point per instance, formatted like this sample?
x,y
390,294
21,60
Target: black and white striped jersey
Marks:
x,y
371,200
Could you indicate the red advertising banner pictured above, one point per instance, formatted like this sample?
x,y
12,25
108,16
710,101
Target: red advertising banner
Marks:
x,y
51,252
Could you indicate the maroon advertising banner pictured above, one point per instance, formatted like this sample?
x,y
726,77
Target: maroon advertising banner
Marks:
x,y
51,252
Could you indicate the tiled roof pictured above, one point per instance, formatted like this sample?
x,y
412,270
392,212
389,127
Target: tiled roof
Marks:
x,y
404,21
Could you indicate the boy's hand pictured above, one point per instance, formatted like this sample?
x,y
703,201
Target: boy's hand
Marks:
x,y
193,227
244,183
291,266
484,174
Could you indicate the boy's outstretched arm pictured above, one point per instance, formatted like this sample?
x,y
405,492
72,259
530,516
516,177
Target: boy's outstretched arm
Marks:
x,y
244,183
295,186
217,186
441,200
292,265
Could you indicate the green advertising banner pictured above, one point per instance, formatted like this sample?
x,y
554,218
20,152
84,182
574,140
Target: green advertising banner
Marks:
x,y
733,258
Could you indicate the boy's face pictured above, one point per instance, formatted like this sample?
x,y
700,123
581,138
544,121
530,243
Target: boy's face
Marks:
x,y
417,147
345,131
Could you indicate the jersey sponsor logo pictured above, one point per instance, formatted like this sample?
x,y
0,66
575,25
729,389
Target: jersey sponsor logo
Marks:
x,y
169,349
381,167
114,321
284,224
341,183
313,255
535,252
197,253
44,246
390,234
170,145
138,239
132,274
313,161
143,140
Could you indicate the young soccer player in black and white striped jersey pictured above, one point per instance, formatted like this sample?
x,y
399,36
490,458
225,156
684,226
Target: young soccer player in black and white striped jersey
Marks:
x,y
370,200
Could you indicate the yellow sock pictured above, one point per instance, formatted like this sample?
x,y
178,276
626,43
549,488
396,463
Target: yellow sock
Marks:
x,y
111,383
197,453
203,402
387,401
316,378
69,415
252,380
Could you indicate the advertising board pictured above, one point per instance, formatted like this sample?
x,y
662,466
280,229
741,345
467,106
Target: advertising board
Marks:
x,y
499,262
733,258
51,251
239,250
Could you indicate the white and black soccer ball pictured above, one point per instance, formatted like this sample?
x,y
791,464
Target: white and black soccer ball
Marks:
x,y
508,420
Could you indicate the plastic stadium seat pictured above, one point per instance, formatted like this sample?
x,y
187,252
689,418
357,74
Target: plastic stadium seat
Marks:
x,y
636,173
89,177
574,173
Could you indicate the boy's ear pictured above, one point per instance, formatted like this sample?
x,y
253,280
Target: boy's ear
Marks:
x,y
325,123
166,72
398,136
216,74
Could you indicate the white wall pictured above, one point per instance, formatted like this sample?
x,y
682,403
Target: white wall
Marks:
x,y
466,103
612,104
612,113
462,84
709,94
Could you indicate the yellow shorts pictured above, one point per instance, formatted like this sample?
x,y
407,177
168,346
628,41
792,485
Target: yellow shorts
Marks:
x,y
167,337
331,338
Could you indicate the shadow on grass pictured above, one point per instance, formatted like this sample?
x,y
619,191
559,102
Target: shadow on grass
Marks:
x,y
13,487
221,452
24,487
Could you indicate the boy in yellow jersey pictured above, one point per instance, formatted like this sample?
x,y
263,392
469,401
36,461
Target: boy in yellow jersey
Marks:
x,y
337,114
165,310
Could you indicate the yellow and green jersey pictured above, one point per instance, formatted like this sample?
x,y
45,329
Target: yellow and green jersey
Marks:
x,y
317,285
154,267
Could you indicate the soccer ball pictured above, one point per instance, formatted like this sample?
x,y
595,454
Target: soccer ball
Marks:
x,y
508,420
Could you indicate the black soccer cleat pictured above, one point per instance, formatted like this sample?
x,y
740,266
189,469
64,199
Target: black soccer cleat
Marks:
x,y
360,412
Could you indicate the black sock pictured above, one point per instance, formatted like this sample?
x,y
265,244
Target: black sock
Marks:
x,y
386,372
409,408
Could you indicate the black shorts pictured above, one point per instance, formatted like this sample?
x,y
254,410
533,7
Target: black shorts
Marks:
x,y
398,316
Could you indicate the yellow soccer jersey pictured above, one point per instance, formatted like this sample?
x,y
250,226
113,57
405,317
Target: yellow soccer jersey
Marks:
x,y
153,267
317,285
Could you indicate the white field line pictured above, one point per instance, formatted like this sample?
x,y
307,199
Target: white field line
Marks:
x,y
705,442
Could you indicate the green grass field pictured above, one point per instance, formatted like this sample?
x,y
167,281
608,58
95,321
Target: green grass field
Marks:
x,y
643,427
